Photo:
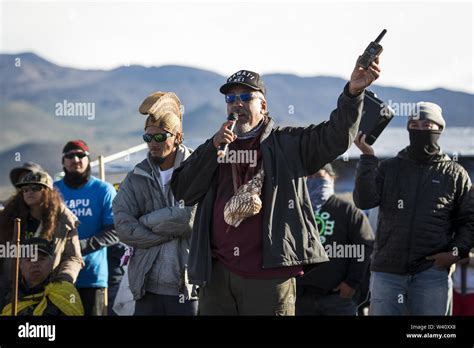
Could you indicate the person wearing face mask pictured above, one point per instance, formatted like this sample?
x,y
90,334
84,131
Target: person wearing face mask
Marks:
x,y
152,221
255,231
347,237
426,218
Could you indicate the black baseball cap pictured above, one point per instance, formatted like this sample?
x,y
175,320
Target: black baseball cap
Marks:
x,y
27,167
44,246
244,78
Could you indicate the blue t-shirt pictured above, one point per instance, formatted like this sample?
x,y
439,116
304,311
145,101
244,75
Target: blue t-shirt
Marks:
x,y
92,204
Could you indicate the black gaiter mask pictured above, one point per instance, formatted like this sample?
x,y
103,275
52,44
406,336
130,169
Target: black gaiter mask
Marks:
x,y
423,144
76,180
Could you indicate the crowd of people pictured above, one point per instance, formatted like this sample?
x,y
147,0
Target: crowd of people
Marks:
x,y
192,233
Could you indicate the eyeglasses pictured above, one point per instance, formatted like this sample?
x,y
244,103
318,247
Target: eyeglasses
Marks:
x,y
158,137
34,188
244,97
79,155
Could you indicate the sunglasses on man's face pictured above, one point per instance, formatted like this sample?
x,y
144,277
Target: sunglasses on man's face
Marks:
x,y
79,155
158,137
244,97
34,188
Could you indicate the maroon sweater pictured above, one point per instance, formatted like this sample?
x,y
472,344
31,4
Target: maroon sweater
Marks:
x,y
240,248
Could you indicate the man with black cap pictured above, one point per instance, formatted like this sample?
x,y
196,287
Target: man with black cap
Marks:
x,y
254,229
345,232
426,218
90,199
37,294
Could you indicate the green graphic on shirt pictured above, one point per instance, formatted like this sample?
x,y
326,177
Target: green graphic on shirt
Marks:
x,y
324,224
320,223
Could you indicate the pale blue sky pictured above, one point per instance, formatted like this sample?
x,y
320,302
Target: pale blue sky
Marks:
x,y
428,44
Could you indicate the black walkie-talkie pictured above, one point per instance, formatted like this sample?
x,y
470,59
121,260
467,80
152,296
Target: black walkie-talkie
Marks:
x,y
371,52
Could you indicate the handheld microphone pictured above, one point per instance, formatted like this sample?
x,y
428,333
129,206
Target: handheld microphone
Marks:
x,y
223,147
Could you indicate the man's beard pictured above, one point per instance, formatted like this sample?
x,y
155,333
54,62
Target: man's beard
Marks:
x,y
242,125
76,180
242,128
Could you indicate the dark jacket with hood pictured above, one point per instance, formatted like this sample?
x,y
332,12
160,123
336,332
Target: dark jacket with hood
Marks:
x,y
424,208
290,236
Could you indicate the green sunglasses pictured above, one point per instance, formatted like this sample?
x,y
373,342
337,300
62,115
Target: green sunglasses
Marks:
x,y
158,137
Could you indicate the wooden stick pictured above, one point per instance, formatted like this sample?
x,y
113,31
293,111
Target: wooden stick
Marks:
x,y
106,302
16,268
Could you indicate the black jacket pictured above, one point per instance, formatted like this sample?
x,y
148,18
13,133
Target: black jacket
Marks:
x,y
424,209
290,236
341,225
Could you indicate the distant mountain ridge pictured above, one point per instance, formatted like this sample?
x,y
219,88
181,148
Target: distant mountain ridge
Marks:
x,y
118,92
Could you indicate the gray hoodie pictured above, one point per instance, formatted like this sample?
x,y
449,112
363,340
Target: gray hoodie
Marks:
x,y
148,218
